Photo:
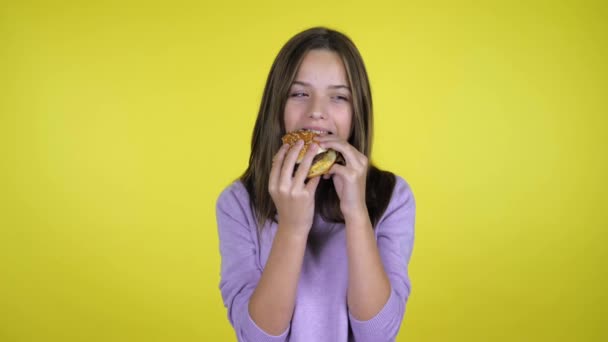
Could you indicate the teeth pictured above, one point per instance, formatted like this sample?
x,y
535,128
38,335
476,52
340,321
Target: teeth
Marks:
x,y
319,132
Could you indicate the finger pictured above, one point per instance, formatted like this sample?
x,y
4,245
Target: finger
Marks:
x,y
344,172
277,162
351,155
290,161
311,186
337,169
306,163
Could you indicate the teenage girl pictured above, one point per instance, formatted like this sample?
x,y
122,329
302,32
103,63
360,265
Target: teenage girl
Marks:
x,y
324,259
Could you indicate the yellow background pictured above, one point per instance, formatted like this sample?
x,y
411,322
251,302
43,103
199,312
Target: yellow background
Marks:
x,y
113,125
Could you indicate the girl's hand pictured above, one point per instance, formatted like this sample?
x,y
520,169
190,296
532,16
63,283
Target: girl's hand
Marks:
x,y
293,198
349,180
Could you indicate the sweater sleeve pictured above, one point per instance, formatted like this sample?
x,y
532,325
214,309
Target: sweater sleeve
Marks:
x,y
240,272
395,239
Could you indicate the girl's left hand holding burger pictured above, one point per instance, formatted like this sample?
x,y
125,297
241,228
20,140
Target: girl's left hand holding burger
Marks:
x,y
349,180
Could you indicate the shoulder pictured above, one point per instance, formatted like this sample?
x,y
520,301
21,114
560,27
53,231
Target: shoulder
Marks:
x,y
386,184
402,191
385,191
402,201
234,201
235,191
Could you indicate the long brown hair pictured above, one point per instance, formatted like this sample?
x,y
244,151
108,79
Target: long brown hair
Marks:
x,y
270,127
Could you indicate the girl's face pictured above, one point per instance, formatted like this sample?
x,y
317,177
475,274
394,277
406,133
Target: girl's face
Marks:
x,y
320,97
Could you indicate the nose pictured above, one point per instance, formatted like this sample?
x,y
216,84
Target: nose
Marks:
x,y
317,108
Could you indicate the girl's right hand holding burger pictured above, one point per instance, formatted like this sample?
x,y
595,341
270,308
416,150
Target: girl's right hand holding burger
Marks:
x,y
293,197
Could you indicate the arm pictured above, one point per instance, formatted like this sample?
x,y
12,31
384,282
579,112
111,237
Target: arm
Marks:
x,y
240,271
368,285
378,285
265,300
394,240
273,301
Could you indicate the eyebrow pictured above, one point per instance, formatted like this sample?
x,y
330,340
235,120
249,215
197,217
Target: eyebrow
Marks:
x,y
337,86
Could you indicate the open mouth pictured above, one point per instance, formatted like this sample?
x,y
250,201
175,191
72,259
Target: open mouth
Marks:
x,y
316,131
324,158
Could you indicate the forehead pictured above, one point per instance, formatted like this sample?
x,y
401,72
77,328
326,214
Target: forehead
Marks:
x,y
322,66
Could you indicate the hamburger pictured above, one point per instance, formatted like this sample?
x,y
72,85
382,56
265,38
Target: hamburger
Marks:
x,y
323,160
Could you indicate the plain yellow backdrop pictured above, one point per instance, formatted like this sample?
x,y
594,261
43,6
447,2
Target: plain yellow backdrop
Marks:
x,y
121,122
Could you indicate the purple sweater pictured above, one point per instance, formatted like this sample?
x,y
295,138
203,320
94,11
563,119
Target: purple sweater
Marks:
x,y
321,312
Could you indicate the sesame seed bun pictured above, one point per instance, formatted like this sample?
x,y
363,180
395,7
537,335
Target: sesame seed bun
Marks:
x,y
324,159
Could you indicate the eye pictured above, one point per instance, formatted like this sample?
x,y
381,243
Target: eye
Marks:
x,y
298,94
341,98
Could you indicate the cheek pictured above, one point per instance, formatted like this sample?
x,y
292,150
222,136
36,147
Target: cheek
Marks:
x,y
342,120
290,116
